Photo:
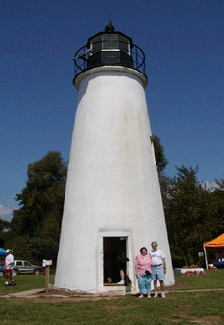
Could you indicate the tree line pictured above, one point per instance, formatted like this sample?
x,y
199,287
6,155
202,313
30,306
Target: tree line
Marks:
x,y
193,213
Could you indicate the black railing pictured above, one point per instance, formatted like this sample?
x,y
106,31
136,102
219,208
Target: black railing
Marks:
x,y
86,58
81,59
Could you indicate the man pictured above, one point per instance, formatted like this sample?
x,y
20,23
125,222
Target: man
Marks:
x,y
158,268
9,262
121,261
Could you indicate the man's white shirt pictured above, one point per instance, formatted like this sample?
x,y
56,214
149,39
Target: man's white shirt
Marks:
x,y
157,257
9,261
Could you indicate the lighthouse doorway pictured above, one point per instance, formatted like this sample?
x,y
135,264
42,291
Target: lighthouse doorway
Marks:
x,y
115,256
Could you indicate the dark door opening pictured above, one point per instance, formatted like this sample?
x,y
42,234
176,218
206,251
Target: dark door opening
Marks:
x,y
114,258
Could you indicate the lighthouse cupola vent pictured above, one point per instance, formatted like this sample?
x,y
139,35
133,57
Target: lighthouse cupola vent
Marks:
x,y
109,48
109,28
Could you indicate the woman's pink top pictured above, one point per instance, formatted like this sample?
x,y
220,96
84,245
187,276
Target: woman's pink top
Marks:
x,y
143,263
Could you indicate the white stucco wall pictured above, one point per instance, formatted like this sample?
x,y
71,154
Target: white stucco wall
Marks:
x,y
112,185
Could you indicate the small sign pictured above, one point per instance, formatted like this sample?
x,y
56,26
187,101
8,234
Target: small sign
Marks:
x,y
46,263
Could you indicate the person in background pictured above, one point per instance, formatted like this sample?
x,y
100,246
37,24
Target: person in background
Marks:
x,y
121,261
158,268
9,263
143,267
218,256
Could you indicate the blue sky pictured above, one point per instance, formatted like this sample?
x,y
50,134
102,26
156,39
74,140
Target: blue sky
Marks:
x,y
183,41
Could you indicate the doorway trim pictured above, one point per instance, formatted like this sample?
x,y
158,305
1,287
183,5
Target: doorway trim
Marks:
x,y
100,254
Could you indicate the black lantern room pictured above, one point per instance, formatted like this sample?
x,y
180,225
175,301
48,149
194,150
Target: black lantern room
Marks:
x,y
109,48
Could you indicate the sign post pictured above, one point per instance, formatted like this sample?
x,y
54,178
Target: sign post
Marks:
x,y
47,265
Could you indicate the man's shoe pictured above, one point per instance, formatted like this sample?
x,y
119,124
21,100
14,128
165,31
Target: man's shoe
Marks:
x,y
149,296
155,295
141,296
13,283
121,282
163,295
6,284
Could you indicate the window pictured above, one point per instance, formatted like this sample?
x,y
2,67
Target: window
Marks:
x,y
124,44
27,264
110,41
96,45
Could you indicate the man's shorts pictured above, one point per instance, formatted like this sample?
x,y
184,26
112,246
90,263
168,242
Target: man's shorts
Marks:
x,y
158,273
8,272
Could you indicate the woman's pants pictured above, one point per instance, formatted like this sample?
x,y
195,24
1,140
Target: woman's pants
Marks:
x,y
144,283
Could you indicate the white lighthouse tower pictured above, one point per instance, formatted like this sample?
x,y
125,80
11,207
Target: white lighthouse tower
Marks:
x,y
112,202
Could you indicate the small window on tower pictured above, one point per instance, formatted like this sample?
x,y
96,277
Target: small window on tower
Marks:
x,y
110,41
124,44
96,45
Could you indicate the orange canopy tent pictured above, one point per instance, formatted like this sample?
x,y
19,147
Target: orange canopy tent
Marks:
x,y
217,243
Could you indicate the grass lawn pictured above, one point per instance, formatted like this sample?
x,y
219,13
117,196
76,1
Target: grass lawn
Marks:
x,y
213,280
179,307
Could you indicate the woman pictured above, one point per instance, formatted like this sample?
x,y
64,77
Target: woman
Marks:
x,y
143,267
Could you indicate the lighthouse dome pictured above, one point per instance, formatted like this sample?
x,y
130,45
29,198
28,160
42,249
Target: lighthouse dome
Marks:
x,y
109,28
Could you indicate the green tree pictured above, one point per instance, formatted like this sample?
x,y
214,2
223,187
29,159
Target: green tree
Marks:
x,y
38,221
192,216
217,195
4,228
161,163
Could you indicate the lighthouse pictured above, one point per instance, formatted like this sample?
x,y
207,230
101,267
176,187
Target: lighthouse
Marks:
x,y
113,204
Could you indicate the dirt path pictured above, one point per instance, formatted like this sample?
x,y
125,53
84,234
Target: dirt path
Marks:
x,y
78,296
